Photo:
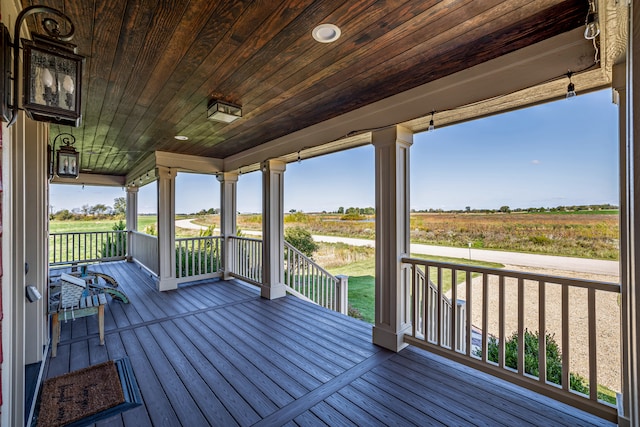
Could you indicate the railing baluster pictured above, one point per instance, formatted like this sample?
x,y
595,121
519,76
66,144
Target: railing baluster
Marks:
x,y
415,301
439,307
501,325
419,277
454,310
542,332
593,345
485,315
468,341
565,338
521,340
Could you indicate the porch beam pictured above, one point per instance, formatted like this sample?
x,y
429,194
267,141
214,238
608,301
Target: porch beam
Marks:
x,y
166,228
228,228
392,236
92,179
273,228
131,218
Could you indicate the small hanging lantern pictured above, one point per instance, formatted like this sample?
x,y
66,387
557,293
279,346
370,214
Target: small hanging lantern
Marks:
x,y
67,158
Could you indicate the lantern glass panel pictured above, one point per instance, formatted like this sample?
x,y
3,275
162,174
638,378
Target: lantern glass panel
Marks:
x,y
53,80
67,164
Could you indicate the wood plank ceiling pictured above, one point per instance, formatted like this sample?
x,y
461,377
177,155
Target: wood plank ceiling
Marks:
x,y
152,66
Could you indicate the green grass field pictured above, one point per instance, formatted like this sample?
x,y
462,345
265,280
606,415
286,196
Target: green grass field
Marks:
x,y
95,225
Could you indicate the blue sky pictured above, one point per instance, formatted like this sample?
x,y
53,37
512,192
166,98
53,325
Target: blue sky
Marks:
x,y
560,153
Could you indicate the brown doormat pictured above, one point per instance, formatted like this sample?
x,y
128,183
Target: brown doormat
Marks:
x,y
82,397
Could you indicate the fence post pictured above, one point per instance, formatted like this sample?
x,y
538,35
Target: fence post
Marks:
x,y
342,294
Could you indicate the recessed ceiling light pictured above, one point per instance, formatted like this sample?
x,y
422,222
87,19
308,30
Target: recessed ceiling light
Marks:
x,y
181,137
326,33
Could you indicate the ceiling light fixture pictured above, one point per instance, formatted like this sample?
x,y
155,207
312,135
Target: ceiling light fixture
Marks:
x,y
431,125
67,158
571,89
52,72
181,137
326,33
221,111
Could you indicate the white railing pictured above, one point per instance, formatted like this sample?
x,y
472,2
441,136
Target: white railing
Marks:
x,y
93,246
198,258
438,331
246,259
495,310
308,280
144,250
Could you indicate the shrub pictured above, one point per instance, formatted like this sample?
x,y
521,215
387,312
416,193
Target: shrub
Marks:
x,y
297,217
352,217
354,312
202,260
150,229
206,232
115,246
301,239
540,240
554,361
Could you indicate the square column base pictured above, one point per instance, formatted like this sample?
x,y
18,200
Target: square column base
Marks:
x,y
273,292
167,284
388,339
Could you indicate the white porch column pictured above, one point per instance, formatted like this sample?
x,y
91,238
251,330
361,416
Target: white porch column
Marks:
x,y
13,279
36,237
273,229
629,127
131,218
392,236
228,186
166,228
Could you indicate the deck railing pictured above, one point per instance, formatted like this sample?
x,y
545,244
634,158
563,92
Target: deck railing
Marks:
x,y
246,259
433,312
309,281
495,309
93,246
144,250
198,258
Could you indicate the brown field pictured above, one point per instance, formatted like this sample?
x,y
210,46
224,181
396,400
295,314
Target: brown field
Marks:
x,y
581,235
588,235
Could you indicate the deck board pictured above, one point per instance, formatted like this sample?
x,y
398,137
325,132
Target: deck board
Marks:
x,y
215,353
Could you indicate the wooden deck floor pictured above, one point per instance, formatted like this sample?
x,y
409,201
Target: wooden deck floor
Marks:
x,y
215,353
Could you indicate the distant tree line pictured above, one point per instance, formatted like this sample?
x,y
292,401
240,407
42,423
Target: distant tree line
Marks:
x,y
507,209
97,211
210,211
356,211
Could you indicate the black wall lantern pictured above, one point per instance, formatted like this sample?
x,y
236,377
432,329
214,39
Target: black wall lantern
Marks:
x,y
67,163
52,72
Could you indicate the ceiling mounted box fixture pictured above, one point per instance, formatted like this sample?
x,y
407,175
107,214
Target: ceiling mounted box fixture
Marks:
x,y
224,112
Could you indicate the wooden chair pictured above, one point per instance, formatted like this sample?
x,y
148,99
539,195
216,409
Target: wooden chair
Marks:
x,y
77,300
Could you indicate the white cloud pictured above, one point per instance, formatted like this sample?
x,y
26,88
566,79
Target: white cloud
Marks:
x,y
535,162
